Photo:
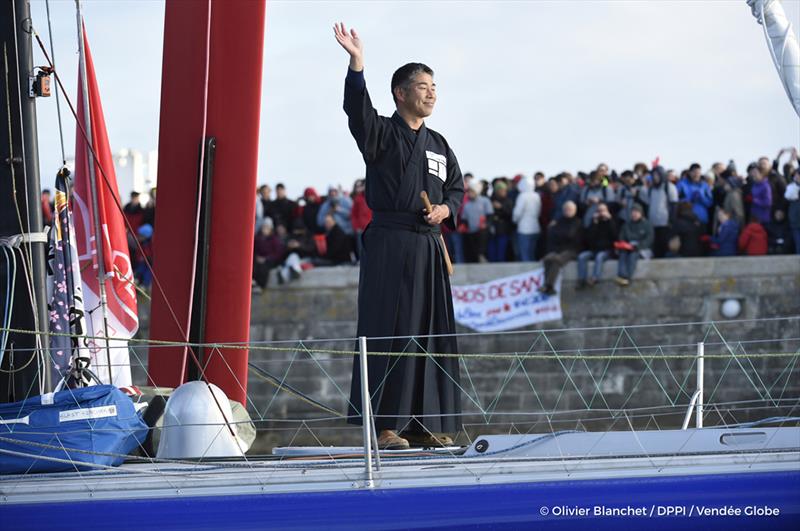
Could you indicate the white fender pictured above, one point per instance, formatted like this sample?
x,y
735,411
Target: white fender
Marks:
x,y
198,426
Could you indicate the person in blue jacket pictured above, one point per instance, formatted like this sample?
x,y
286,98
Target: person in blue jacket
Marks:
x,y
697,192
725,240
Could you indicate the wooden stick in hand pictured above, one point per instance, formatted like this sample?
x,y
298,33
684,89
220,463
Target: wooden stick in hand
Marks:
x,y
428,209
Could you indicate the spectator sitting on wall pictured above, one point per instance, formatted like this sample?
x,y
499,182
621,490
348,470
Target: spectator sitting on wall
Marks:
x,y
268,253
339,245
792,196
475,215
564,238
599,240
501,226
340,207
696,191
753,239
724,241
689,230
526,214
637,238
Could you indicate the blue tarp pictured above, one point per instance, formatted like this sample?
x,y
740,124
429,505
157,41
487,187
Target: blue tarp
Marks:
x,y
59,431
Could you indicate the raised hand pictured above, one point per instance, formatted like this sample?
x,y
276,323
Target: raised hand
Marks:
x,y
352,45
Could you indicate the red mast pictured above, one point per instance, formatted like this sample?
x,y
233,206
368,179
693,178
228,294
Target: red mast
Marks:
x,y
211,87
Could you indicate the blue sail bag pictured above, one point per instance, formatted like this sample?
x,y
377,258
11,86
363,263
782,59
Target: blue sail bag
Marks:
x,y
69,430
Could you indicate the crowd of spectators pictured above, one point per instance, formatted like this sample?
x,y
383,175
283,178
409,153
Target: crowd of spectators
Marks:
x,y
648,211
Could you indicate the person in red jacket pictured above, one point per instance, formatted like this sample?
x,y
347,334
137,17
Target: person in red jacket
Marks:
x,y
360,215
753,239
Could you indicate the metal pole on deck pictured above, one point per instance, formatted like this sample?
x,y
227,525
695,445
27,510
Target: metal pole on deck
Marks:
x,y
700,367
366,417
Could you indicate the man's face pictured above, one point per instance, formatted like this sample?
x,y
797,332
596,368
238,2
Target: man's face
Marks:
x,y
695,174
280,193
602,170
602,211
569,209
265,192
419,97
636,214
764,166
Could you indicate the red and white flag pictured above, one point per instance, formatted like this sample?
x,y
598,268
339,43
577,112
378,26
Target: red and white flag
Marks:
x,y
122,319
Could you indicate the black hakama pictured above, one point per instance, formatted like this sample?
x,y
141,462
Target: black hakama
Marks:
x,y
404,287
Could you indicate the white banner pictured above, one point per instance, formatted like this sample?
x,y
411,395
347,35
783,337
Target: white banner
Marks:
x,y
506,303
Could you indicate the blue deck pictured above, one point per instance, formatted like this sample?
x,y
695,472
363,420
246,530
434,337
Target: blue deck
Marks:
x,y
506,506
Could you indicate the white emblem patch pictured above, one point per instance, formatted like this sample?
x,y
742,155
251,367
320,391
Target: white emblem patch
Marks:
x,y
437,165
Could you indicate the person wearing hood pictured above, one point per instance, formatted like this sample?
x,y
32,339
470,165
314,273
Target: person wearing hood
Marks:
x,y
637,238
661,196
526,214
476,215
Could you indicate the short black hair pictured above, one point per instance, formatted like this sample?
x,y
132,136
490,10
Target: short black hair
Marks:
x,y
404,75
280,186
694,166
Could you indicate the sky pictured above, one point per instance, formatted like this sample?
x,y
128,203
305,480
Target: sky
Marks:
x,y
522,86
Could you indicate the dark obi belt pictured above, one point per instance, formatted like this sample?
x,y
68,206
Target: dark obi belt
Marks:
x,y
403,221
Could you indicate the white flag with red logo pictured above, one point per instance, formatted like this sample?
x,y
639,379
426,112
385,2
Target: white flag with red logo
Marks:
x,y
110,358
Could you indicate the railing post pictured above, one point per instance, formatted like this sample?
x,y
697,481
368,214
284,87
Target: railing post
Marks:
x,y
700,376
366,417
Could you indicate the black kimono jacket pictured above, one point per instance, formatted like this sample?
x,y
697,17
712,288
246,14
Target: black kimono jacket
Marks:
x,y
404,288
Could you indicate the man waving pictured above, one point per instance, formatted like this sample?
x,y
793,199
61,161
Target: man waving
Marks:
x,y
404,293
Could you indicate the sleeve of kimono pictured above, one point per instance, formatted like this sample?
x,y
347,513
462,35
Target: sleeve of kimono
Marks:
x,y
365,124
453,189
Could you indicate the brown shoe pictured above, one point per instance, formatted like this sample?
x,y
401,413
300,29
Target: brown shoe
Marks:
x,y
389,440
427,440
